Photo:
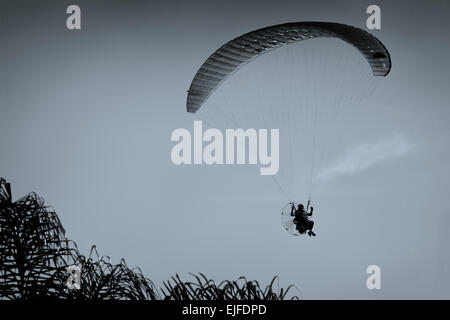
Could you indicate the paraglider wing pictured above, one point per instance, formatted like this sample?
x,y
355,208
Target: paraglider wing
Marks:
x,y
240,51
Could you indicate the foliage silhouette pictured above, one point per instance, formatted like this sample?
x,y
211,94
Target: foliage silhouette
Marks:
x,y
33,247
207,289
100,279
35,254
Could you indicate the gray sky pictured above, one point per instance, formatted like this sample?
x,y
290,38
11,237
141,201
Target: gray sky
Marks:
x,y
86,118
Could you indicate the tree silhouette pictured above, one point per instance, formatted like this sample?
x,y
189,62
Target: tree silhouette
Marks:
x,y
102,280
35,254
207,289
33,247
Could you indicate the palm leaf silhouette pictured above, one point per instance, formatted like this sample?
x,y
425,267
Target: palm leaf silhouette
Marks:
x,y
35,254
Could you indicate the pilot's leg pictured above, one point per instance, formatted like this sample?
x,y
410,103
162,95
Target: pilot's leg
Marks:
x,y
310,232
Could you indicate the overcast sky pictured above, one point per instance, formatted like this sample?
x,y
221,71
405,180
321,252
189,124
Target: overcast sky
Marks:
x,y
86,118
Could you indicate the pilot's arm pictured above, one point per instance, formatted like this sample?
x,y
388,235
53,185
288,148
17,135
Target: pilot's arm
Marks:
x,y
311,211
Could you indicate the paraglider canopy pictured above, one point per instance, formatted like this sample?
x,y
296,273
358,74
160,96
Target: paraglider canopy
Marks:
x,y
240,51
